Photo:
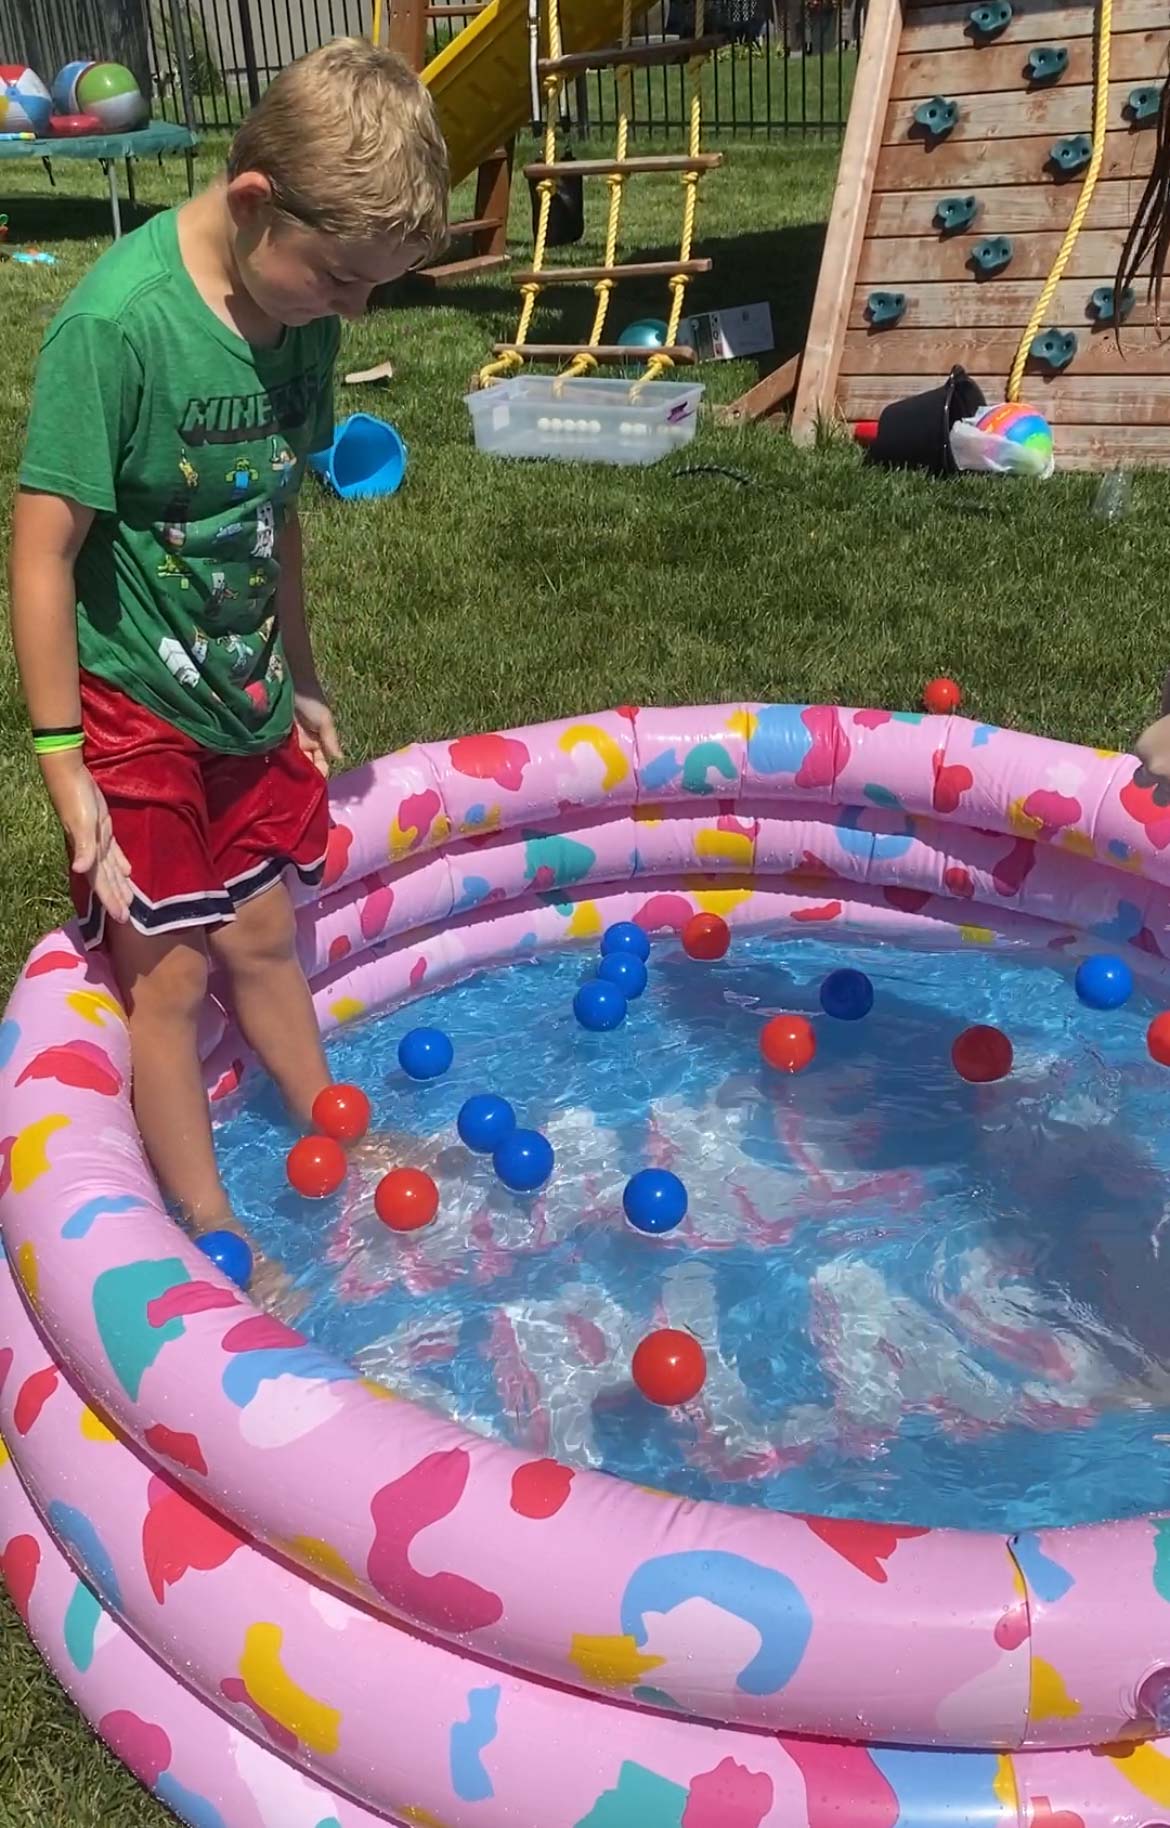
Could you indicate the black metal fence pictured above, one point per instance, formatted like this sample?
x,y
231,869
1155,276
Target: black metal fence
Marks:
x,y
789,70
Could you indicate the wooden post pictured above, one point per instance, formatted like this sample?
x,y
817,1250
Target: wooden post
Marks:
x,y
408,31
851,199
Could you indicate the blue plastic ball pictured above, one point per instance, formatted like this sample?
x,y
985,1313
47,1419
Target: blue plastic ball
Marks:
x,y
524,1160
655,1200
484,1121
424,1053
230,1253
626,970
847,995
1104,982
625,936
599,1006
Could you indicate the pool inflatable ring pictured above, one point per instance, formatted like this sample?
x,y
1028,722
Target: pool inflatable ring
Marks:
x,y
285,1599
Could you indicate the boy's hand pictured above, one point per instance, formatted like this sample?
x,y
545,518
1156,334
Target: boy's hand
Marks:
x,y
1153,749
316,730
81,807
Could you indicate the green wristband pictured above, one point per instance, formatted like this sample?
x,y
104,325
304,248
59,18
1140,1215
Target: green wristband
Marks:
x,y
55,744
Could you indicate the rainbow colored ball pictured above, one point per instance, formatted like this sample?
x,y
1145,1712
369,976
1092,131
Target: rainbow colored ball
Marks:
x,y
110,91
1025,428
25,103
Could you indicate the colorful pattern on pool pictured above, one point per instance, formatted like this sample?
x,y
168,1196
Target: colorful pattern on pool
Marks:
x,y
444,857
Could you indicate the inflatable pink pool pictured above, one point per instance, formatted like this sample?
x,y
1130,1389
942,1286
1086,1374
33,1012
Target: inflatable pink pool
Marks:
x,y
288,1602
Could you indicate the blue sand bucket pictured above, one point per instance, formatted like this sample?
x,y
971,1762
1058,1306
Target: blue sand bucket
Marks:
x,y
367,458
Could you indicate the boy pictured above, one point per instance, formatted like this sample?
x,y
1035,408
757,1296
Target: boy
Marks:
x,y
157,616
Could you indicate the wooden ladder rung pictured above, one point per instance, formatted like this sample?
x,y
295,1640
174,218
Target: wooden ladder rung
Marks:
x,y
632,56
455,12
589,276
474,225
680,353
458,269
625,168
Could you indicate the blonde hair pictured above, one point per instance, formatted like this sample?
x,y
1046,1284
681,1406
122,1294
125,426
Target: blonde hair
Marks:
x,y
348,138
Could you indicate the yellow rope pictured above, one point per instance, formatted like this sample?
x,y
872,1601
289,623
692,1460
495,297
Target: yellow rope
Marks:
x,y
376,27
1100,124
661,364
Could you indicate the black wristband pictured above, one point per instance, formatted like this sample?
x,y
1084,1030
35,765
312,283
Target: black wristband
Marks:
x,y
57,730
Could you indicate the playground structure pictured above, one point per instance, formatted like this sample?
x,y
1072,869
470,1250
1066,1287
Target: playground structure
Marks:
x,y
994,159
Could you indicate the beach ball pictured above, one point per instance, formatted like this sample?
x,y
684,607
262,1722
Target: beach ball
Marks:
x,y
1158,1038
706,936
65,84
25,103
406,1199
342,1112
1024,428
655,1200
788,1043
625,936
425,1053
316,1166
626,970
982,1054
941,696
669,1366
599,1006
111,91
847,995
524,1160
484,1121
231,1254
1104,982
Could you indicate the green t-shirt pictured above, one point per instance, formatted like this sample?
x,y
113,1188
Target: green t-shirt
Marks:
x,y
189,444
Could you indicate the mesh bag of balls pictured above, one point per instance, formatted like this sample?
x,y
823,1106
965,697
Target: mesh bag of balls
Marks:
x,y
1005,440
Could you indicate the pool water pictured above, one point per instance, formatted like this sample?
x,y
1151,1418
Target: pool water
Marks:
x,y
921,1300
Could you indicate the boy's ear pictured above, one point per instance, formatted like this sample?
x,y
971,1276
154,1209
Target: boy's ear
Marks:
x,y
248,193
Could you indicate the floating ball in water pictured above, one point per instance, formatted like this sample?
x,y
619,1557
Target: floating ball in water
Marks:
x,y
524,1160
231,1254
625,936
425,1053
1104,982
342,1112
599,1006
982,1054
1158,1038
706,936
655,1200
669,1366
406,1199
316,1166
626,970
788,1043
484,1121
941,696
847,995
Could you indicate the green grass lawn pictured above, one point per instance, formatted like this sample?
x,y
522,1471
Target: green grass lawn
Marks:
x,y
487,595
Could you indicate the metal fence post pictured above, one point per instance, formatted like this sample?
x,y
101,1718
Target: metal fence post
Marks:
x,y
248,45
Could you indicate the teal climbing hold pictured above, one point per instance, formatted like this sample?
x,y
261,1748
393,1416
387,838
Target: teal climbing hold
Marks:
x,y
990,19
992,254
1103,308
1055,347
954,213
1143,106
1071,154
937,116
1046,63
885,308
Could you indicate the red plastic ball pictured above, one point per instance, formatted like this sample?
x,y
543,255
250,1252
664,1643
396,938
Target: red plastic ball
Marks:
x,y
669,1366
316,1166
342,1112
982,1054
788,1043
941,696
1158,1038
706,936
406,1199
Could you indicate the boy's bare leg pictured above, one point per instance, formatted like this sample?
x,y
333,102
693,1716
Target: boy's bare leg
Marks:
x,y
271,997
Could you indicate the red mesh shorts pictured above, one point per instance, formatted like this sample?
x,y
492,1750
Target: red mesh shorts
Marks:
x,y
202,832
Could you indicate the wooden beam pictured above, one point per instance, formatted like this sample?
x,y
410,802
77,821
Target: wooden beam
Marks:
x,y
631,56
590,276
766,397
681,354
648,163
408,31
846,232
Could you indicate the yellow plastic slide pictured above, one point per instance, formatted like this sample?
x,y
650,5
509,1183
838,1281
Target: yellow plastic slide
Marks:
x,y
481,82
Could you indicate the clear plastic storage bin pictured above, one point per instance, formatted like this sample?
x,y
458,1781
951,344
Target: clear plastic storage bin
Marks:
x,y
584,420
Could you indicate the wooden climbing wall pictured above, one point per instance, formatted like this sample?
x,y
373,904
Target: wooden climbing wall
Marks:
x,y
1109,405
